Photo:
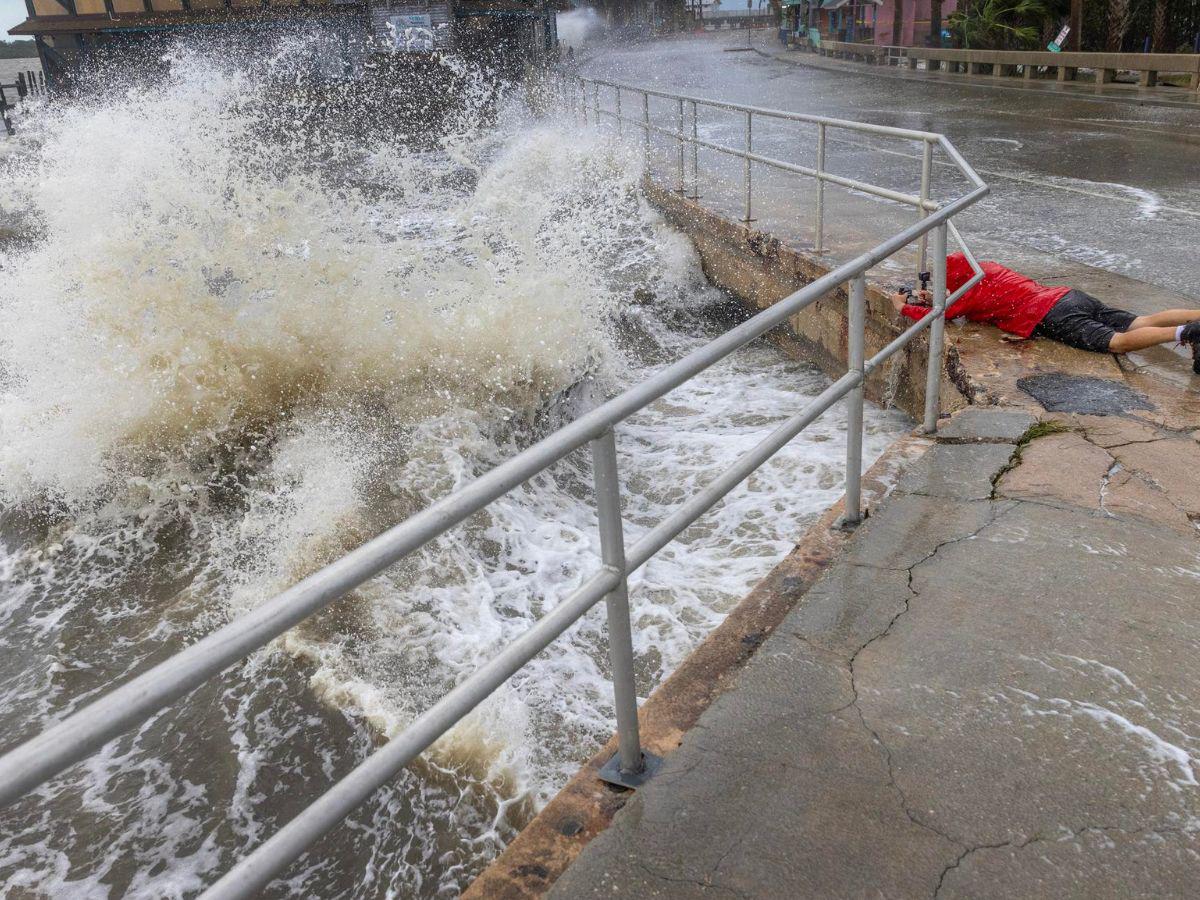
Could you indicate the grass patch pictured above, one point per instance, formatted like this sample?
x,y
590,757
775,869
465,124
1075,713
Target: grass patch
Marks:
x,y
1040,430
1032,433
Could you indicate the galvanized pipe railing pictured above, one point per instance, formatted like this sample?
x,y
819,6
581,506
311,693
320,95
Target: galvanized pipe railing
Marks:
x,y
85,731
921,201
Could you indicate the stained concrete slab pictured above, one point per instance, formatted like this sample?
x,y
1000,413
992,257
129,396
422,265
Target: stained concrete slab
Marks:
x,y
1040,475
957,471
1097,457
1062,392
980,698
851,605
908,529
1115,431
1038,681
1172,463
983,424
1096,864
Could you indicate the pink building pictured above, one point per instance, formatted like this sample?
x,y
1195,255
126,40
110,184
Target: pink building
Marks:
x,y
916,21
859,21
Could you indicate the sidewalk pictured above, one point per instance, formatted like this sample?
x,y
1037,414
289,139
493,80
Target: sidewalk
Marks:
x,y
990,694
1165,95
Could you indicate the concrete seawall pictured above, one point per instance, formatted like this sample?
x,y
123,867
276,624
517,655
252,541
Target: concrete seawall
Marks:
x,y
760,270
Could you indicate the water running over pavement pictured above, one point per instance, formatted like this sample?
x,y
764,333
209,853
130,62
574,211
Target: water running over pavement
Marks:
x,y
230,354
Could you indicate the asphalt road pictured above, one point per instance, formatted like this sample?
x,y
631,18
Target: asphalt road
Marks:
x,y
1106,181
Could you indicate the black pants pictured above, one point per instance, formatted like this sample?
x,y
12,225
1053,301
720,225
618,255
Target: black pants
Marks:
x,y
1080,320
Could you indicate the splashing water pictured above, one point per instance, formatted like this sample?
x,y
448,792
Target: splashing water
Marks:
x,y
228,355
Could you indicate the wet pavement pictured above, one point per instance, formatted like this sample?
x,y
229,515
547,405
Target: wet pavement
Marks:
x,y
988,695
1076,178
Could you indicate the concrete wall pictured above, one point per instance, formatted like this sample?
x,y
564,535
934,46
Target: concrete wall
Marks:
x,y
760,271
1006,62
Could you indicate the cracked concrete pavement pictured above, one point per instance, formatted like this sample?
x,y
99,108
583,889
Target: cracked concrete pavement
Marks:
x,y
989,694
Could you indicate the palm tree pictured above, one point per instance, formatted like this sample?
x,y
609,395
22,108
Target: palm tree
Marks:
x,y
897,22
1075,38
999,24
1159,39
1119,12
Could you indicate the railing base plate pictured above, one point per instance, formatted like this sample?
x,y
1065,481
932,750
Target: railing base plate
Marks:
x,y
843,524
610,772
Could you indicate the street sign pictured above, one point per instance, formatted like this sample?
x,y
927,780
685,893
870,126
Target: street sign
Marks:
x,y
1056,45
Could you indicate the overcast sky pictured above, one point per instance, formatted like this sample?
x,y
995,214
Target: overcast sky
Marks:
x,y
12,12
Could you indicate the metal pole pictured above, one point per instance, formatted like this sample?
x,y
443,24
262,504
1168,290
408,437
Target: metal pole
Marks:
x,y
620,124
746,164
926,173
620,641
820,242
646,127
937,330
855,356
695,153
679,131
583,99
596,103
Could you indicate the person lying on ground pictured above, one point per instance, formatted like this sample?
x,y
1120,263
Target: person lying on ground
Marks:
x,y
1021,306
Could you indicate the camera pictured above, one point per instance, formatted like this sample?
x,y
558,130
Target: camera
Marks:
x,y
907,289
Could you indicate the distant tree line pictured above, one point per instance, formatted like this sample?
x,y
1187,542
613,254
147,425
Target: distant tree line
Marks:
x,y
17,49
1161,26
1170,26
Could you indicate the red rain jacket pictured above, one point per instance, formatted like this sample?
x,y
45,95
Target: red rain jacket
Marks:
x,y
1003,298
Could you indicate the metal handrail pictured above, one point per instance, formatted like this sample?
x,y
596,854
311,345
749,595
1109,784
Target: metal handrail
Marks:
x,y
928,140
85,731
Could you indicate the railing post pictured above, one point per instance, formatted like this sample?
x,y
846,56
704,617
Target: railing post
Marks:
x,y
679,131
746,165
629,766
926,175
820,239
583,100
855,357
695,153
596,102
620,123
646,127
937,331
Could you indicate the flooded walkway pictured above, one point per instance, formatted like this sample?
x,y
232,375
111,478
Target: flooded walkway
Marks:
x,y
988,695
